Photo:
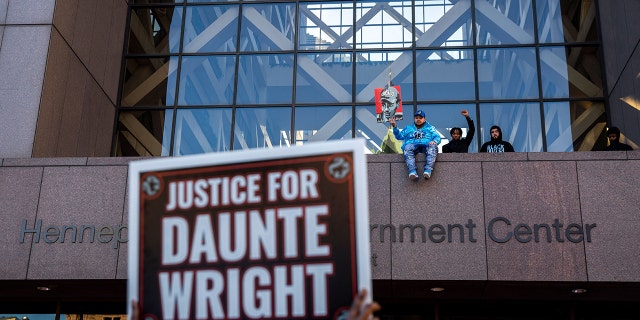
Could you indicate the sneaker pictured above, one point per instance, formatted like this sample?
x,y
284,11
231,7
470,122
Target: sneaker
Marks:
x,y
426,175
413,175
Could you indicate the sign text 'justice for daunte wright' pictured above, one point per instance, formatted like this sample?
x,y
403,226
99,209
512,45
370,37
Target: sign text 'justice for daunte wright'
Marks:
x,y
229,237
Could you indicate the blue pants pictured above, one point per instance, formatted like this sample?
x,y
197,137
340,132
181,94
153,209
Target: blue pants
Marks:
x,y
430,150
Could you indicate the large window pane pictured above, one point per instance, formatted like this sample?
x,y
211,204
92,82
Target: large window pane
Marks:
x,y
375,69
555,77
383,24
520,124
576,69
154,30
324,78
445,75
262,128
268,27
549,21
144,133
443,23
566,21
507,73
149,82
585,72
446,116
207,80
265,79
322,124
325,25
211,29
202,130
504,22
574,126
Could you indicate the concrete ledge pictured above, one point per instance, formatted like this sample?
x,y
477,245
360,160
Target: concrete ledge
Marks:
x,y
46,162
110,161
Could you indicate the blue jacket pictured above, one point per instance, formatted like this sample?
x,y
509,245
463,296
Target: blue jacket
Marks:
x,y
411,134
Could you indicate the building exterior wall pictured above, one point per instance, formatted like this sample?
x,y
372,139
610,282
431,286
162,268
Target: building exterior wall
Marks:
x,y
25,28
80,85
622,63
592,195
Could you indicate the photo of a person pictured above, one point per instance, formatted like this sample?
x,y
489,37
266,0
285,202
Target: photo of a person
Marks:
x,y
388,103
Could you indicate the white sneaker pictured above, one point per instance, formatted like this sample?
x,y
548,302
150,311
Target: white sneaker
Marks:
x,y
413,175
426,175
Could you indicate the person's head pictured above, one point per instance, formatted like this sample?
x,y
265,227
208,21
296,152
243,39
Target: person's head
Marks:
x,y
496,133
613,133
418,118
456,133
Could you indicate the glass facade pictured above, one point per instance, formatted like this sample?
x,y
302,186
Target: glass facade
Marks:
x,y
212,76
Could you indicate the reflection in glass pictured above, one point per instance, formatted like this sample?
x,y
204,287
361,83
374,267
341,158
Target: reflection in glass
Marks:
x,y
144,133
445,75
446,116
508,73
202,130
211,29
324,78
207,80
325,25
574,126
268,27
373,68
520,123
555,78
154,30
385,24
262,128
549,15
265,79
147,82
504,22
443,23
322,124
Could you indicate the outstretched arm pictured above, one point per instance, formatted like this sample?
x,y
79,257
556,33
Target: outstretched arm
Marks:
x,y
472,127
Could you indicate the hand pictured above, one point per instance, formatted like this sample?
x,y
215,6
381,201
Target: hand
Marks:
x,y
135,310
432,142
392,120
362,312
464,113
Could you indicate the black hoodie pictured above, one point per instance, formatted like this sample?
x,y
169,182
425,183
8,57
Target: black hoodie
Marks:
x,y
497,145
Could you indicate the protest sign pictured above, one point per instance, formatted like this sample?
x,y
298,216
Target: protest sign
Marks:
x,y
267,233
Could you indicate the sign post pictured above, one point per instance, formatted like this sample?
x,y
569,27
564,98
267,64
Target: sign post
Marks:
x,y
267,233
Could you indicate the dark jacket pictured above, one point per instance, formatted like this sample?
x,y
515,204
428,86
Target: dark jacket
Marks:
x,y
462,145
497,145
615,145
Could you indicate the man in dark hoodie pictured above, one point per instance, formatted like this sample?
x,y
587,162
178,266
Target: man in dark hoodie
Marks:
x,y
457,143
614,141
496,144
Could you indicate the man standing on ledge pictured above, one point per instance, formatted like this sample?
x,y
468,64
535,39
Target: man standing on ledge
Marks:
x,y
614,141
419,137
496,144
457,143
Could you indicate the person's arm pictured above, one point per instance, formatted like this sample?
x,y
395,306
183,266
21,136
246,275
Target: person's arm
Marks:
x,y
472,129
396,132
484,147
435,136
446,148
508,147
